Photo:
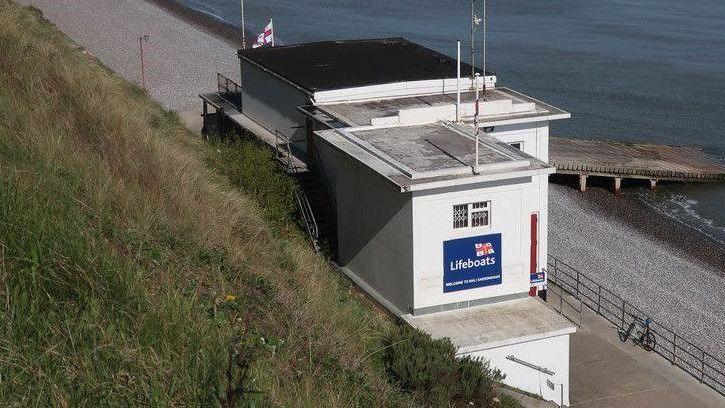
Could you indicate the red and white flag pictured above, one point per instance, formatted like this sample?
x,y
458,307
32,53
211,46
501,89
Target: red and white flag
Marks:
x,y
266,37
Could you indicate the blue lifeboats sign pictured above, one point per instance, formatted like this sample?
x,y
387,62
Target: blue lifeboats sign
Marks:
x,y
471,262
538,277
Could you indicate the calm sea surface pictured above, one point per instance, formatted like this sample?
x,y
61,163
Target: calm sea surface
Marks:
x,y
638,70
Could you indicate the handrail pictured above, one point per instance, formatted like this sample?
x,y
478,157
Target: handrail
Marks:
x,y
284,154
226,85
673,347
308,216
229,90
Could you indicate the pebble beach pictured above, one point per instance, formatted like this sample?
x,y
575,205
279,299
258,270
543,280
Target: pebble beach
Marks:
x,y
656,264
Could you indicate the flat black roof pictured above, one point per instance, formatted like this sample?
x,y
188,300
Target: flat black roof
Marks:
x,y
323,66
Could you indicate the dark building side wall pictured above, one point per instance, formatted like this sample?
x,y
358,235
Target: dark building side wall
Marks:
x,y
374,225
273,103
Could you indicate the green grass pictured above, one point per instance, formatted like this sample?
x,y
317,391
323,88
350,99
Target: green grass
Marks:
x,y
142,266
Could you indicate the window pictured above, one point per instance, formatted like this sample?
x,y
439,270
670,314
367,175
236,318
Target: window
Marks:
x,y
460,216
474,214
518,145
479,214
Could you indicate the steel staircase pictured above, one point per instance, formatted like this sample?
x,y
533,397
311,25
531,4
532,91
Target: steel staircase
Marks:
x,y
316,211
313,202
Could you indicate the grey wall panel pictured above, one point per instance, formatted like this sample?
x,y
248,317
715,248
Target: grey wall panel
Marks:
x,y
273,103
374,221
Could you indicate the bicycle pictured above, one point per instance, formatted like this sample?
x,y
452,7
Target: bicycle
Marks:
x,y
643,337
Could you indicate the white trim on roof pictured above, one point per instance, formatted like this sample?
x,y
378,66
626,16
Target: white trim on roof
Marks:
x,y
396,90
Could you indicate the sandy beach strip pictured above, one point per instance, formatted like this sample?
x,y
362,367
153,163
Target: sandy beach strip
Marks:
x,y
654,263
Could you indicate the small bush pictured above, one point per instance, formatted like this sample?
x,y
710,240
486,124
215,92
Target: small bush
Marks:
x,y
249,165
429,368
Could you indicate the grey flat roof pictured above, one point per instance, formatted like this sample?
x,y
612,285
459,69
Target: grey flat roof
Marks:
x,y
328,65
433,148
361,113
432,155
494,325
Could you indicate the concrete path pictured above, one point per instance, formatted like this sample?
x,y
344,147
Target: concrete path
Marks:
x,y
608,373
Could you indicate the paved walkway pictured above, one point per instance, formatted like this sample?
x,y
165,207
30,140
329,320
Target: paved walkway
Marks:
x,y
608,373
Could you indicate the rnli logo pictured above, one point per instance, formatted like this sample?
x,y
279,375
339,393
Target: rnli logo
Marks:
x,y
483,249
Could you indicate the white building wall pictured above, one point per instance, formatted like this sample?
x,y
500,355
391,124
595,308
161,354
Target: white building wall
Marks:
x,y
511,209
535,142
374,226
273,103
551,353
533,136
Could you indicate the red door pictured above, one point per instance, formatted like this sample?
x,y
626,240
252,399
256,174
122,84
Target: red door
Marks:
x,y
534,242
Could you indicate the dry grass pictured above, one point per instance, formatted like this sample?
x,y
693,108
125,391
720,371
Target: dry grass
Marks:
x,y
120,244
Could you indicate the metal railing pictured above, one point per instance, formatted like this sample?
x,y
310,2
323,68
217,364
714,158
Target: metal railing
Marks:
x,y
283,151
566,305
675,348
308,217
229,90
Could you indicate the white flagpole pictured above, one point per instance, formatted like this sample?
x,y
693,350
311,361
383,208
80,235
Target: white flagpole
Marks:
x,y
458,85
271,24
244,36
475,123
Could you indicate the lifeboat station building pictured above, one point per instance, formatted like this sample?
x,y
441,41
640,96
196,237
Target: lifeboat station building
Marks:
x,y
442,221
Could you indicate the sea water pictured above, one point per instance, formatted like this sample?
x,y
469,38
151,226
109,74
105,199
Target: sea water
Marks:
x,y
638,70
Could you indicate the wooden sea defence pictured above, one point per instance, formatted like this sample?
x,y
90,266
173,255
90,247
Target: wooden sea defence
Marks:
x,y
634,161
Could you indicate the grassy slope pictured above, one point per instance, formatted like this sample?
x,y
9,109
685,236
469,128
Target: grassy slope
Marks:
x,y
133,271
118,248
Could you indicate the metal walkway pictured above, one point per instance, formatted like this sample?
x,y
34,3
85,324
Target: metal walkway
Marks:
x,y
311,196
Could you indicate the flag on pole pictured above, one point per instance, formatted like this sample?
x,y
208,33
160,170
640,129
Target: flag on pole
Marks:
x,y
266,37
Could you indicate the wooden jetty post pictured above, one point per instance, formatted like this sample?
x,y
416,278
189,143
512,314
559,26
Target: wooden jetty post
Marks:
x,y
617,186
582,182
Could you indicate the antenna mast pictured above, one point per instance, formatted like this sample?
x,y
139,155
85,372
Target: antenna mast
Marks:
x,y
484,49
473,45
244,36
475,21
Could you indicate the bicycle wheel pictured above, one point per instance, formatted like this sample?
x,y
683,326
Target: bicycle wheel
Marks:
x,y
649,341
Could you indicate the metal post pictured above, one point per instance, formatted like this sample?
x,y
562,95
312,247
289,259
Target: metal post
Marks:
x,y
473,44
204,112
458,84
244,36
143,69
475,124
484,49
599,299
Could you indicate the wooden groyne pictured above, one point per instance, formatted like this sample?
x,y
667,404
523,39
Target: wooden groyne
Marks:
x,y
633,160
